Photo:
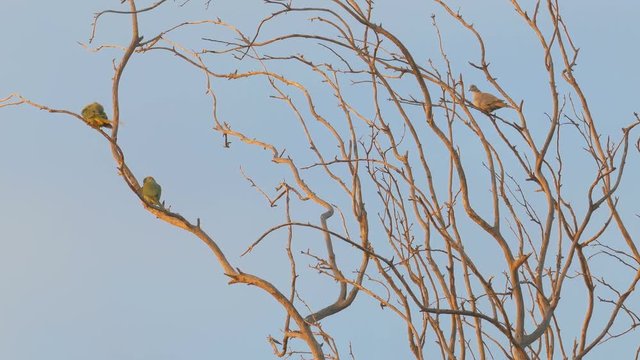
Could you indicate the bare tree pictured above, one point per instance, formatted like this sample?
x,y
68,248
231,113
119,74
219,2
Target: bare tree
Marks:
x,y
400,175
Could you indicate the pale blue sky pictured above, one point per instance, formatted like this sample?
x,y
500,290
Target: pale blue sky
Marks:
x,y
87,273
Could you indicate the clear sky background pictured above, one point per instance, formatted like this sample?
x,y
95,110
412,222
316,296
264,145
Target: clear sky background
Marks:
x,y
87,273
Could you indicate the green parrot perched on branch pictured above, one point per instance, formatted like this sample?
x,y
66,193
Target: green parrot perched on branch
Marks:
x,y
151,191
95,116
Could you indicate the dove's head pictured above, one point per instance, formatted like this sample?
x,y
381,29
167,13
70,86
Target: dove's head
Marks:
x,y
473,88
149,179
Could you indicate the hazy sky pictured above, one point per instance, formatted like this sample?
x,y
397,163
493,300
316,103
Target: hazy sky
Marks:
x,y
87,273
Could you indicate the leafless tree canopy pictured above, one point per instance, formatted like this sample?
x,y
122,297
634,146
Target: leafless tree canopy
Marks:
x,y
411,180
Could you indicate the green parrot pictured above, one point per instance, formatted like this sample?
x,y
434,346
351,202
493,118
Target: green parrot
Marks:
x,y
95,116
151,191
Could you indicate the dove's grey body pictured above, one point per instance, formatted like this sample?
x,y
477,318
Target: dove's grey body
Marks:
x,y
485,101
